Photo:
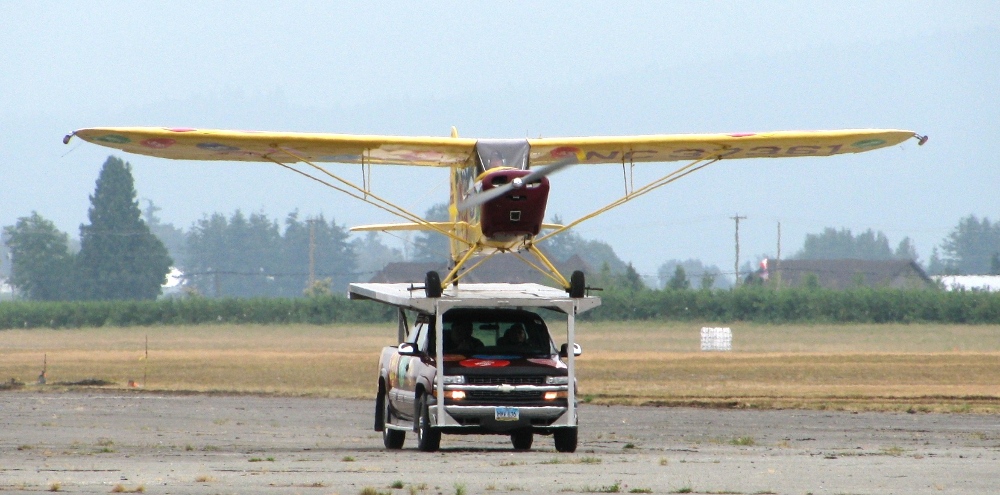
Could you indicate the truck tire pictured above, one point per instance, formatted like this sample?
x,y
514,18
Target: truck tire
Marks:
x,y
565,439
428,438
522,439
392,439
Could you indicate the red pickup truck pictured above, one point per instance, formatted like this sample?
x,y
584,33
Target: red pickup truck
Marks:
x,y
502,374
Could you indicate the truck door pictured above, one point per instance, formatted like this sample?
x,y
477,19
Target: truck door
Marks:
x,y
408,367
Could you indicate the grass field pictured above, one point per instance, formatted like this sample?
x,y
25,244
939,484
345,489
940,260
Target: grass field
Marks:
x,y
927,367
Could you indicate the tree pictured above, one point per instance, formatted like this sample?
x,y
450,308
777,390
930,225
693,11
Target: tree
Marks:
x,y
971,245
332,256
238,257
842,244
119,257
679,281
173,238
906,250
42,264
708,275
372,255
431,246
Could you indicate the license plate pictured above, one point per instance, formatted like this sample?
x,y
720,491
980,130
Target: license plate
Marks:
x,y
507,414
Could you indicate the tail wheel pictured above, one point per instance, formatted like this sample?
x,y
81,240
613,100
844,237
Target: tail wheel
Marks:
x,y
577,285
522,439
428,438
392,439
432,285
565,439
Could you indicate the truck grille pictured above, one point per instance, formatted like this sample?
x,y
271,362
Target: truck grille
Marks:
x,y
497,396
508,380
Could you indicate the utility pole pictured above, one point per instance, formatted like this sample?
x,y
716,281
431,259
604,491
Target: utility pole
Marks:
x,y
312,253
777,261
737,218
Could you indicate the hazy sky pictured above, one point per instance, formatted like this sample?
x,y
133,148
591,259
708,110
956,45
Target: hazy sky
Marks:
x,y
496,70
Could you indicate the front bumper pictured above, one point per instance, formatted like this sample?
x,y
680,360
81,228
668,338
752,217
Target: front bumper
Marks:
x,y
482,419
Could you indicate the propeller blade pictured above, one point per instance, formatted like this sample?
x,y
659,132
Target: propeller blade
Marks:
x,y
475,200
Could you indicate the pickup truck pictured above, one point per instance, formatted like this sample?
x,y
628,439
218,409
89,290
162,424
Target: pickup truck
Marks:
x,y
503,375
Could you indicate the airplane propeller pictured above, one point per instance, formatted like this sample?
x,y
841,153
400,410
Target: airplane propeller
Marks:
x,y
474,200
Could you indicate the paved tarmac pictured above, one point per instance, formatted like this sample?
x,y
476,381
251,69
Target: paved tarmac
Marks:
x,y
99,442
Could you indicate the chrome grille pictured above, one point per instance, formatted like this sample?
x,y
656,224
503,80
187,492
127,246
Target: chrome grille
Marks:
x,y
502,380
496,395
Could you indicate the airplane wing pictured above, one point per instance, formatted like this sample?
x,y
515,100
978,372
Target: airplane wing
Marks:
x,y
676,147
284,147
289,147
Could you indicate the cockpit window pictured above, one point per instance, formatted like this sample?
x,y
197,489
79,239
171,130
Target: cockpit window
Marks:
x,y
495,153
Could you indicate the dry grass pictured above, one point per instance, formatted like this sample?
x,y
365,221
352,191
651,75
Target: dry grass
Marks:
x,y
879,367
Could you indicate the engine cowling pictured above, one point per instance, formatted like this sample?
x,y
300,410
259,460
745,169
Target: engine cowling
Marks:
x,y
518,213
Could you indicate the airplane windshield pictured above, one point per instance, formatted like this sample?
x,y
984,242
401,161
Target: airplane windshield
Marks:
x,y
494,153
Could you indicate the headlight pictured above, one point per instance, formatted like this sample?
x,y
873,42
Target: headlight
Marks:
x,y
454,379
557,380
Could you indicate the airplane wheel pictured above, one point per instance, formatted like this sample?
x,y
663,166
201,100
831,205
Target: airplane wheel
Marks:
x,y
565,439
432,285
392,439
522,439
428,438
577,285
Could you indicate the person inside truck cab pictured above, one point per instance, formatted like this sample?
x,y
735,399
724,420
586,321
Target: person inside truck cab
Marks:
x,y
461,338
515,336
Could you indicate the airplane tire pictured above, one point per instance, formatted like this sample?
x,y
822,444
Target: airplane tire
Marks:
x,y
565,439
392,439
522,439
432,285
577,285
428,438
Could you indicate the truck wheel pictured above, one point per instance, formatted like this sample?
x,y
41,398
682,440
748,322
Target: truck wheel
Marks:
x,y
522,439
432,285
565,439
392,439
428,438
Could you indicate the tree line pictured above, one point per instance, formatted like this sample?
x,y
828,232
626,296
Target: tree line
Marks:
x,y
125,253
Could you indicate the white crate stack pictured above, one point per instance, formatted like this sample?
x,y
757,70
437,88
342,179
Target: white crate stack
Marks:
x,y
716,339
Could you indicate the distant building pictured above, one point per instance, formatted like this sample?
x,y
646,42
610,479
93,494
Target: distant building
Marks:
x,y
848,274
986,283
500,268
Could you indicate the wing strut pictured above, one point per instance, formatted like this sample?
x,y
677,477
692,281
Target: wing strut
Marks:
x,y
662,181
365,196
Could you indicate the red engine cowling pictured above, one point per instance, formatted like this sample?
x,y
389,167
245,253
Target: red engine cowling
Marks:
x,y
519,212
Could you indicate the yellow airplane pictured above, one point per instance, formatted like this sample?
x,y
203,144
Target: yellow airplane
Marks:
x,y
499,187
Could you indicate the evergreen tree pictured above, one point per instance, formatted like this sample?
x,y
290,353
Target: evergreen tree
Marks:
x,y
679,281
173,238
694,270
372,255
835,244
333,258
971,245
119,257
42,264
238,257
631,280
430,246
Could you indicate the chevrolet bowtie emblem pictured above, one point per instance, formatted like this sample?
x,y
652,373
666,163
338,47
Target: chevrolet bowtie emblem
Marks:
x,y
506,388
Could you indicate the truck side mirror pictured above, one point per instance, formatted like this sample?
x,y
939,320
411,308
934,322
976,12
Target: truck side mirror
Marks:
x,y
577,350
407,349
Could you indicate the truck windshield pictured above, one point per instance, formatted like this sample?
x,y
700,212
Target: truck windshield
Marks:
x,y
511,333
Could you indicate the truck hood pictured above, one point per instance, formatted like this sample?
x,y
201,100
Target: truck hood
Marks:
x,y
503,365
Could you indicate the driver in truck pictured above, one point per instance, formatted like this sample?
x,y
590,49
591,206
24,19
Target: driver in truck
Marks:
x,y
462,339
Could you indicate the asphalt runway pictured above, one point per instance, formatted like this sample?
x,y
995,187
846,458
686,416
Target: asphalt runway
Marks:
x,y
102,442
